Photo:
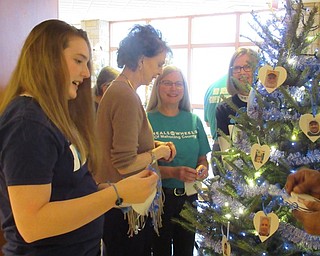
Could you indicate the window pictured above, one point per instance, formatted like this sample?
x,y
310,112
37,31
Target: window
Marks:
x,y
208,65
246,20
119,30
202,46
174,31
214,29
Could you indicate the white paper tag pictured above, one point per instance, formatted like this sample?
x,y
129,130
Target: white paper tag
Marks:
x,y
189,187
143,208
296,200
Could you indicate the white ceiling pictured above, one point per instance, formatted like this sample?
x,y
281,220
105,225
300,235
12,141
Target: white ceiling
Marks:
x,y
73,11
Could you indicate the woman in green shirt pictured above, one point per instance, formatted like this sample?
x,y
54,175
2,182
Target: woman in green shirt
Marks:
x,y
169,113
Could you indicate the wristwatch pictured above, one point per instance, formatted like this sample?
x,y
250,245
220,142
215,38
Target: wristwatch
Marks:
x,y
153,157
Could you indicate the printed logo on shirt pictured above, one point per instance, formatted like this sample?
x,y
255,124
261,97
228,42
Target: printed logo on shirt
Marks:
x,y
76,158
224,91
216,95
175,135
214,99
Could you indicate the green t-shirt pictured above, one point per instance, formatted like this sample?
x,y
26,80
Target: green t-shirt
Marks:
x,y
211,100
187,133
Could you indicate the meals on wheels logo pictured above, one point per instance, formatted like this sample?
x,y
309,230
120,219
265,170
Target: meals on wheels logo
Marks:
x,y
176,135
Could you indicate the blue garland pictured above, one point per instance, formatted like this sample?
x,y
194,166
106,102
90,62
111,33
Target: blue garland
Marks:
x,y
288,231
277,110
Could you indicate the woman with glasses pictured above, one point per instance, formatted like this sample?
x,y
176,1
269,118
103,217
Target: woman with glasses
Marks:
x,y
169,113
240,78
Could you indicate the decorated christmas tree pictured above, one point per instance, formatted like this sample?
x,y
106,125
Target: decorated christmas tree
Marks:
x,y
274,137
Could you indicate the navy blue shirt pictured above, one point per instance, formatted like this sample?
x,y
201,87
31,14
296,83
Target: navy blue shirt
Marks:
x,y
224,111
33,151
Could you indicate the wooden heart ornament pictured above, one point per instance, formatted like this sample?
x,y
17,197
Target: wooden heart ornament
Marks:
x,y
310,125
265,225
225,246
272,78
259,155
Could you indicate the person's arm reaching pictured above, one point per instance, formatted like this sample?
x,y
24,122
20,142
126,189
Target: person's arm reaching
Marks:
x,y
38,218
306,181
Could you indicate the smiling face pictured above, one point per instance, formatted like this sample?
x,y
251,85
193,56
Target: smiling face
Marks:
x,y
77,58
314,127
244,77
271,80
171,89
264,226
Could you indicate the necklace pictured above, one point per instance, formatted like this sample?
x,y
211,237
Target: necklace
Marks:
x,y
26,95
128,81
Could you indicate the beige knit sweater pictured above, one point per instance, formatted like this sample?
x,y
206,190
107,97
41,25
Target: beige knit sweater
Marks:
x,y
123,131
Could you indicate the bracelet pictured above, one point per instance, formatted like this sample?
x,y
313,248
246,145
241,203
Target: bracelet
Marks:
x,y
119,200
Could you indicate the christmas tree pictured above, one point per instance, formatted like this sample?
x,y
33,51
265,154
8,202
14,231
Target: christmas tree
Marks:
x,y
274,141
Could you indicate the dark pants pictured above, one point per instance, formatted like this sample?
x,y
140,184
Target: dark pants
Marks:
x,y
117,241
173,234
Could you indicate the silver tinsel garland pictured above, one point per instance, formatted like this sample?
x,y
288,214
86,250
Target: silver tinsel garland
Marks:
x,y
288,231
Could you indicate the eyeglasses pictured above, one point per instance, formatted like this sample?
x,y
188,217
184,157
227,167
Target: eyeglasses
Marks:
x,y
168,83
237,69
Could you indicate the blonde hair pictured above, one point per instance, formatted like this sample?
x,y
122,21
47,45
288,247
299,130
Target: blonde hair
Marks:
x,y
253,62
155,101
42,72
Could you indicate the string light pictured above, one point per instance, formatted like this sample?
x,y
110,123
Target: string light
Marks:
x,y
228,216
310,38
257,175
291,61
251,183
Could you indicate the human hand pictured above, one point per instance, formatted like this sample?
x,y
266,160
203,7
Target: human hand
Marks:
x,y
172,148
202,172
304,181
309,220
162,152
137,188
173,151
185,174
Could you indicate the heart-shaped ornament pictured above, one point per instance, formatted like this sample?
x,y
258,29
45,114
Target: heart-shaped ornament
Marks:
x,y
310,125
259,155
226,247
265,225
272,78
